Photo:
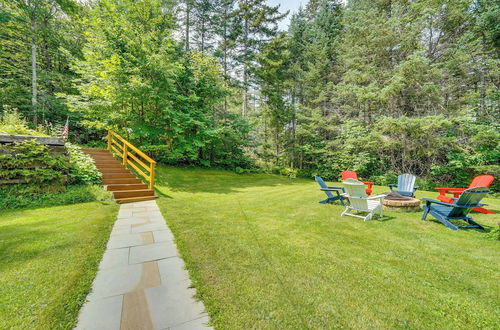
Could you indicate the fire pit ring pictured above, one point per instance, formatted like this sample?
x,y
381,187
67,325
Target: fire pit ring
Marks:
x,y
394,201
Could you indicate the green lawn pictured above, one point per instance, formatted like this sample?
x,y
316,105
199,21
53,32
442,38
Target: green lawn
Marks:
x,y
48,259
264,254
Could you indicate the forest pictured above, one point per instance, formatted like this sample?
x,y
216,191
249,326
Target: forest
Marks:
x,y
381,87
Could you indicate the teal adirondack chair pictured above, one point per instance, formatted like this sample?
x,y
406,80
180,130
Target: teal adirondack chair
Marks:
x,y
328,191
458,210
406,185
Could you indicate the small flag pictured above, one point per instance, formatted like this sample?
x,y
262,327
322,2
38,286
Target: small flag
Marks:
x,y
65,129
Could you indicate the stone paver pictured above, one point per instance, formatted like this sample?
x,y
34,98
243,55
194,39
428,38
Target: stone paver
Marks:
x,y
150,252
142,282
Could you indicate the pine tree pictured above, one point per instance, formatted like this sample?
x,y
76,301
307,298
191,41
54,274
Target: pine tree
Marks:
x,y
256,24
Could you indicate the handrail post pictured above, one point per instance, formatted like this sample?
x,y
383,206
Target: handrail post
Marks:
x,y
124,156
152,175
109,140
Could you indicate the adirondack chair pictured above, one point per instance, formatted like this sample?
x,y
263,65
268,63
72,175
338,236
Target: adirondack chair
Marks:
x,y
478,181
405,186
458,210
359,201
353,175
328,191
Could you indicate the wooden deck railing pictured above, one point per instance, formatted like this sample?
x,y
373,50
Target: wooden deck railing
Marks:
x,y
131,155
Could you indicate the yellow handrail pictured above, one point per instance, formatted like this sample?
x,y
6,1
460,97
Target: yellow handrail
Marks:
x,y
123,149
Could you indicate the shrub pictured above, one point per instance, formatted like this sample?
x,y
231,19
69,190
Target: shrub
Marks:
x,y
82,167
289,172
29,168
12,123
73,195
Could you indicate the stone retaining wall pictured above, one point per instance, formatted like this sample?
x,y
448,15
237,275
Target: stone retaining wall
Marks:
x,y
55,145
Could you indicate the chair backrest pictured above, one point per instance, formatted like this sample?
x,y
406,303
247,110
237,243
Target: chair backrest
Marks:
x,y
470,197
348,175
406,182
356,191
322,184
482,181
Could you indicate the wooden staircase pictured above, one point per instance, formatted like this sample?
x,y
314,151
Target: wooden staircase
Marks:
x,y
118,179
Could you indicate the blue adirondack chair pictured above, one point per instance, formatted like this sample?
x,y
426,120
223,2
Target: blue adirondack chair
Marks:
x,y
328,191
406,185
461,206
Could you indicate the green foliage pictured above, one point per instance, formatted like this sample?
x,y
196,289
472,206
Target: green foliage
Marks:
x,y
13,123
383,88
82,168
52,29
439,150
138,81
29,168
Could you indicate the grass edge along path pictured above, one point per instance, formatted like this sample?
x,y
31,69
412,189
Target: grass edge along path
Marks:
x,y
263,253
49,257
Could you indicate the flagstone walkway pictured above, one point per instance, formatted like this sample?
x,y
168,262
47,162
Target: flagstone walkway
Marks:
x,y
141,282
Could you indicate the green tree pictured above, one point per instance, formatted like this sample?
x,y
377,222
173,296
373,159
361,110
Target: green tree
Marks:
x,y
255,25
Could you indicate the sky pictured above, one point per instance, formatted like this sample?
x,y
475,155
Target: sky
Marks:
x,y
291,5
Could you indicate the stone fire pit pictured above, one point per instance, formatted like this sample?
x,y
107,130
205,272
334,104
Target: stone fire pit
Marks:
x,y
394,201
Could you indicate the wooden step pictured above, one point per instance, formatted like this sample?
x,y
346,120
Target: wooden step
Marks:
x,y
130,186
124,185
109,170
121,181
94,150
118,175
109,165
133,193
99,159
102,155
135,199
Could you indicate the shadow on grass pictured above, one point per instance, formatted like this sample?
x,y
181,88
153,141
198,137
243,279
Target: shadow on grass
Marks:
x,y
190,179
162,194
384,218
487,229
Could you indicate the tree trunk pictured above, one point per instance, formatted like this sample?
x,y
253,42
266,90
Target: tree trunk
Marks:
x,y
245,91
188,9
34,100
225,59
245,73
202,36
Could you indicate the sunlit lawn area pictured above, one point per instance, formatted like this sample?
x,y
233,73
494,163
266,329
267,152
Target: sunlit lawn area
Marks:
x,y
264,254
48,259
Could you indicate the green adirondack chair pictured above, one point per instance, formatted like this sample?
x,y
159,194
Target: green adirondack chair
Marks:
x,y
458,210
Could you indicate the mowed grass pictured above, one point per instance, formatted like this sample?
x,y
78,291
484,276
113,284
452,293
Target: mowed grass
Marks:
x,y
264,254
48,259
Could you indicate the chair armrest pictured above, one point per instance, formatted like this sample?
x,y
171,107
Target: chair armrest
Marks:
x,y
377,196
332,189
430,201
369,184
391,186
443,190
456,190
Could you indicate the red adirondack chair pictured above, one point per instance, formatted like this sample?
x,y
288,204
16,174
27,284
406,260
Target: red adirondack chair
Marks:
x,y
353,175
478,181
